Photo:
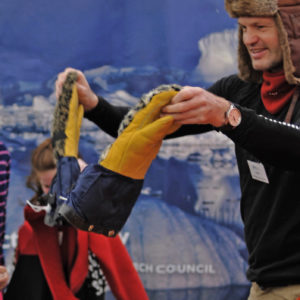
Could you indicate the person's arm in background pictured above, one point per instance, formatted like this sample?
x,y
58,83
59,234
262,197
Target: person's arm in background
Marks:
x,y
4,277
4,183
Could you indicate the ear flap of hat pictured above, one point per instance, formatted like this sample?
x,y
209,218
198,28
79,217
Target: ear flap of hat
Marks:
x,y
288,24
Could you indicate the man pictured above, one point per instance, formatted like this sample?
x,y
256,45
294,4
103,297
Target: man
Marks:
x,y
260,112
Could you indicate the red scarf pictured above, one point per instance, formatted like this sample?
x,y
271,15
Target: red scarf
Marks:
x,y
35,238
275,91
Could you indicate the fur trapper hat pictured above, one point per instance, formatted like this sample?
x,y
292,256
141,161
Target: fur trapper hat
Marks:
x,y
287,18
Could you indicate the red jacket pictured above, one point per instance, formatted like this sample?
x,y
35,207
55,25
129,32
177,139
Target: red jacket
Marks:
x,y
36,238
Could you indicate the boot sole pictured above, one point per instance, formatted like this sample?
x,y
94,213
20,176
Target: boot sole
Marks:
x,y
70,215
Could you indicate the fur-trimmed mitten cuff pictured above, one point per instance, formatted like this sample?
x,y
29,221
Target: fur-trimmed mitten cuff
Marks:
x,y
67,119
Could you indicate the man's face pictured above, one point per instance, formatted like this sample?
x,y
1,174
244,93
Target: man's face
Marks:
x,y
260,37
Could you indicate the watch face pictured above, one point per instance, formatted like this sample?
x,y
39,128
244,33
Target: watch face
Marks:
x,y
234,117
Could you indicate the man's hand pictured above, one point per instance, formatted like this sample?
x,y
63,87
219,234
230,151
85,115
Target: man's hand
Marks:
x,y
194,105
85,95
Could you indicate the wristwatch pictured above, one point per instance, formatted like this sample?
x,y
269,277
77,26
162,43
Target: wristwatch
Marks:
x,y
233,117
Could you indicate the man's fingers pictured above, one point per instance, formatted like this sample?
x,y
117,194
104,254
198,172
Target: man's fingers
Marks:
x,y
186,93
59,83
182,107
61,77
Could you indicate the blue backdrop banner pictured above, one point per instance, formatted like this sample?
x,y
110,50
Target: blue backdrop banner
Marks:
x,y
185,233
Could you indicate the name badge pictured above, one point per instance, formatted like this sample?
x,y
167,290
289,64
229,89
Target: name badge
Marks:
x,y
258,171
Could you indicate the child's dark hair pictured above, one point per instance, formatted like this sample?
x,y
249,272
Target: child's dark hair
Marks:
x,y
42,159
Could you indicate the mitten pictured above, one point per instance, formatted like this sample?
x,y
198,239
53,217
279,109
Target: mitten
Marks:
x,y
139,143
